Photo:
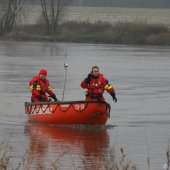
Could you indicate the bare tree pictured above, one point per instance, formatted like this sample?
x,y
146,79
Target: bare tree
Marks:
x,y
51,11
9,11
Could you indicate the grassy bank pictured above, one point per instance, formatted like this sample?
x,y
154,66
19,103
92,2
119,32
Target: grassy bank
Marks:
x,y
100,32
110,161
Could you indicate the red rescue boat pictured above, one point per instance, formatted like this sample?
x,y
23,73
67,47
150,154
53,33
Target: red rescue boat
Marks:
x,y
68,112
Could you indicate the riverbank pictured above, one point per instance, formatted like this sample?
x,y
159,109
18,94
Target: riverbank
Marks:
x,y
109,161
140,33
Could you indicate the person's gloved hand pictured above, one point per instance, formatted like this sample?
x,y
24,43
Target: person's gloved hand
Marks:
x,y
113,96
114,99
54,97
87,80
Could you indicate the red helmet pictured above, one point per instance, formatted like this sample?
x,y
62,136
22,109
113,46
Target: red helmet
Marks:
x,y
43,72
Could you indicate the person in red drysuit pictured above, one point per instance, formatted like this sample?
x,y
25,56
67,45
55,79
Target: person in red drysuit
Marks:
x,y
96,83
39,86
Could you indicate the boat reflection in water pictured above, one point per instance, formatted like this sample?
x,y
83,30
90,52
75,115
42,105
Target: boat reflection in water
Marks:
x,y
71,147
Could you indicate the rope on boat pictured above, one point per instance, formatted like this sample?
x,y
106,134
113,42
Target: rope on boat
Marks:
x,y
32,109
43,108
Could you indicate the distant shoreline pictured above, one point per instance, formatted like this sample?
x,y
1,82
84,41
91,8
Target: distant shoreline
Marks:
x,y
96,25
138,33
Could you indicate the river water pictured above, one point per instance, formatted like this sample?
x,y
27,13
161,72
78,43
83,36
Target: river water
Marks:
x,y
139,122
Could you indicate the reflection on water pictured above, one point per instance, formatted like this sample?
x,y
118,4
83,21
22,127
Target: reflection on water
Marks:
x,y
73,147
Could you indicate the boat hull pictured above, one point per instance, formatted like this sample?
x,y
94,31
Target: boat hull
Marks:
x,y
67,113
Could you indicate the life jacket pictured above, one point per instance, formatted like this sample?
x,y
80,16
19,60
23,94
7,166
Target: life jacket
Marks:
x,y
40,87
97,86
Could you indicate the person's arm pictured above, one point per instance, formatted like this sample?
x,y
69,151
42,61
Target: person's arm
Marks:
x,y
34,88
85,83
50,92
109,88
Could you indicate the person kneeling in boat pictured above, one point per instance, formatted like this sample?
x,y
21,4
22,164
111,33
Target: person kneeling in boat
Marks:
x,y
96,83
39,86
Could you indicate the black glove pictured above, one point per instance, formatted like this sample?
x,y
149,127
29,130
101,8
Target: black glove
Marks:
x,y
87,80
54,97
113,96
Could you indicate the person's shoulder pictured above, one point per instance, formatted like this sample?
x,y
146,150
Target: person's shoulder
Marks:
x,y
36,77
33,78
102,76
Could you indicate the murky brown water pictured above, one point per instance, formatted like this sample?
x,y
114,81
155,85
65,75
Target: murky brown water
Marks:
x,y
139,122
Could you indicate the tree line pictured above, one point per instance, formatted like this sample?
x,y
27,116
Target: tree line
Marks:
x,y
125,3
50,9
115,3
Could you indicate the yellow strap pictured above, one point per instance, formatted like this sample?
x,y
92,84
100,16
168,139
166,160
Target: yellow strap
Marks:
x,y
31,87
38,87
107,87
49,88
